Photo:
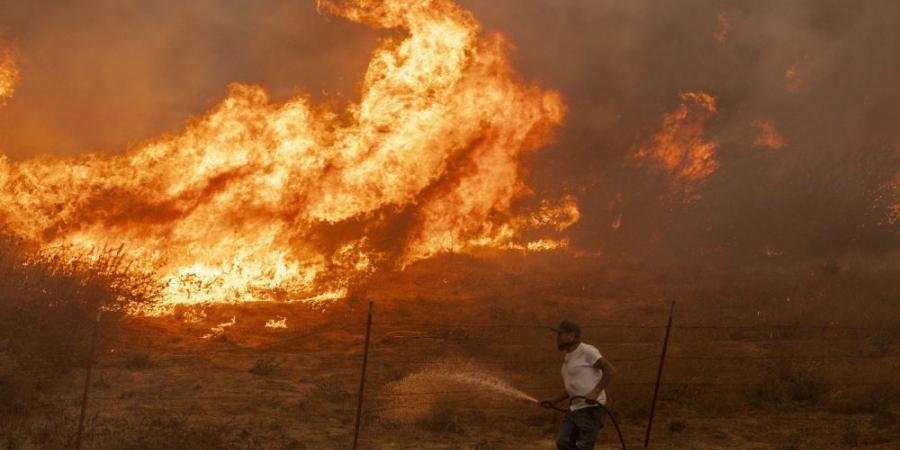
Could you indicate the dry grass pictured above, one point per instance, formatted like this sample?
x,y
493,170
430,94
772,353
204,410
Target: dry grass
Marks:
x,y
138,360
49,301
48,304
740,388
265,366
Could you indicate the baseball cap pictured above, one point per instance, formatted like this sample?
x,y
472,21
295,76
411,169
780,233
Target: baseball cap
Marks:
x,y
567,326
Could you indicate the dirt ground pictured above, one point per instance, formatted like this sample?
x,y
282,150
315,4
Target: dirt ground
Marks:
x,y
760,362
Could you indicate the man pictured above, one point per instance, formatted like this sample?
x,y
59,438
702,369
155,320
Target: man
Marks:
x,y
585,373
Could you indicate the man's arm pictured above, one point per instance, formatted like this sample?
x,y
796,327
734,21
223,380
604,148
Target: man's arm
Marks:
x,y
608,373
554,400
560,397
547,403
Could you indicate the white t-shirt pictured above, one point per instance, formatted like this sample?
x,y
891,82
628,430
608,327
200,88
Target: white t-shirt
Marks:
x,y
580,376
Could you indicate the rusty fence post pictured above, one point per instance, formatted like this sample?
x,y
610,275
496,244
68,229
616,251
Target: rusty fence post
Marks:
x,y
659,372
87,381
362,378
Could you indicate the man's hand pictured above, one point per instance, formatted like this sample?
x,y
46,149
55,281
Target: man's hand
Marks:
x,y
550,402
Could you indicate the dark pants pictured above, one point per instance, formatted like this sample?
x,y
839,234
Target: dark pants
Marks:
x,y
579,429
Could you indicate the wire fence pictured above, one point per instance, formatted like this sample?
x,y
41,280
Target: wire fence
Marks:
x,y
834,338
400,347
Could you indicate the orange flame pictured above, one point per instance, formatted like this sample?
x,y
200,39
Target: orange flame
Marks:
x,y
616,223
291,201
680,147
9,74
769,136
795,76
723,27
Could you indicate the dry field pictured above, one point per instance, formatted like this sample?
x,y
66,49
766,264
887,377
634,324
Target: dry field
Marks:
x,y
766,358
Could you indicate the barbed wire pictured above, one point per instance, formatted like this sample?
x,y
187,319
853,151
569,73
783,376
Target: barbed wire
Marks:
x,y
469,393
384,400
634,383
652,358
828,327
802,416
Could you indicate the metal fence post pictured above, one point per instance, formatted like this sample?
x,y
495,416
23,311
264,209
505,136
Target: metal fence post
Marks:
x,y
362,378
662,362
87,381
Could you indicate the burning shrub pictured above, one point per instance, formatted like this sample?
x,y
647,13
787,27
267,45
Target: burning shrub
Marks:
x,y
48,304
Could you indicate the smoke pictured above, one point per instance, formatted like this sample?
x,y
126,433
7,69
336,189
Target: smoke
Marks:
x,y
105,75
821,75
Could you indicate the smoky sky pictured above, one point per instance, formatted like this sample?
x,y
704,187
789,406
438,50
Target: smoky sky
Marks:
x,y
104,75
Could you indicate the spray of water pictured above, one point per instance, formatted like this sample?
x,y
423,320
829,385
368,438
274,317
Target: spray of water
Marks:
x,y
442,383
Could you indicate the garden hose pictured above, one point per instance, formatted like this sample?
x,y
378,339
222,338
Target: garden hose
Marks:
x,y
609,413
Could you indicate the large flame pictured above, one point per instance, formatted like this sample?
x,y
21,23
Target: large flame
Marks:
x,y
259,200
681,146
